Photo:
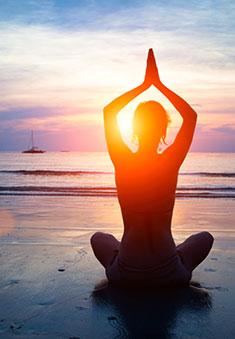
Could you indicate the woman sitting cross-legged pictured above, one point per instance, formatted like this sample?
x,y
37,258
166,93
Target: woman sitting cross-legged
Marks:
x,y
146,182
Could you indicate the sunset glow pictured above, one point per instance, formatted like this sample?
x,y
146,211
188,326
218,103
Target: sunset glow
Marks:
x,y
125,126
59,70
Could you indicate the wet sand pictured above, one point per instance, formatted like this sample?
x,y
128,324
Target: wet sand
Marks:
x,y
51,285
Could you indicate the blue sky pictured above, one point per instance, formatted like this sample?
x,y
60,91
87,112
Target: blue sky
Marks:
x,y
62,61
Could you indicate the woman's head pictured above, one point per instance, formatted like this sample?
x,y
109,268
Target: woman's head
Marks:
x,y
150,123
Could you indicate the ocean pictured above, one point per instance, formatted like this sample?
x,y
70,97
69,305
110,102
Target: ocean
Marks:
x,y
51,282
203,175
62,198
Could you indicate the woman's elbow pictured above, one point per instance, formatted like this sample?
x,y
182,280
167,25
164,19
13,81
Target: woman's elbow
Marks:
x,y
193,116
106,110
190,119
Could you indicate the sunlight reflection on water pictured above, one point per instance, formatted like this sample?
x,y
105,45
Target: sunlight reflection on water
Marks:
x,y
7,222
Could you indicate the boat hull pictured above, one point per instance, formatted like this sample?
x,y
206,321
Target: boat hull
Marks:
x,y
33,152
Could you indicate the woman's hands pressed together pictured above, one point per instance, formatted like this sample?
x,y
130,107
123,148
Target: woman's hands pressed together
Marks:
x,y
151,73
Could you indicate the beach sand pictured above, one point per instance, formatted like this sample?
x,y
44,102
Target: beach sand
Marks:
x,y
51,285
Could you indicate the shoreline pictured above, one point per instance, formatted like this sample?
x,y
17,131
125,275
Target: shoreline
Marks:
x,y
59,290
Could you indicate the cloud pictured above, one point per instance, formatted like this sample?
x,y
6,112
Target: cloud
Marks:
x,y
51,123
41,63
225,129
44,112
68,59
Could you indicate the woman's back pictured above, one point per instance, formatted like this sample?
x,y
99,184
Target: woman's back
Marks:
x,y
146,184
146,193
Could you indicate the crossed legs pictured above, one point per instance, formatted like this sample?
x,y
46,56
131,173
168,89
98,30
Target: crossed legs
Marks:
x,y
195,249
104,246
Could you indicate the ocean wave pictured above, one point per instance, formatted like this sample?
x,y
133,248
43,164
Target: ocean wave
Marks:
x,y
52,172
54,191
181,192
224,188
86,172
210,174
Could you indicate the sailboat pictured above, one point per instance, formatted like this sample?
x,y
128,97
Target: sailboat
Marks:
x,y
33,148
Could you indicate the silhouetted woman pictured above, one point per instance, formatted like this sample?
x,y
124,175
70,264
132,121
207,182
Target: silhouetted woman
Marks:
x,y
146,183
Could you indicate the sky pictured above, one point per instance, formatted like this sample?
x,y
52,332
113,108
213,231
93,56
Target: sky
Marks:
x,y
61,62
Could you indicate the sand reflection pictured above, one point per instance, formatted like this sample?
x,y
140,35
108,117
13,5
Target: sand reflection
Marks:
x,y
7,222
151,313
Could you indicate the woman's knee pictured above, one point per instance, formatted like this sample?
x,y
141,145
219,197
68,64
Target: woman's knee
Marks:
x,y
96,237
209,237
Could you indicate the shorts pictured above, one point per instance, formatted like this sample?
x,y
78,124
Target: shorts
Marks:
x,y
171,272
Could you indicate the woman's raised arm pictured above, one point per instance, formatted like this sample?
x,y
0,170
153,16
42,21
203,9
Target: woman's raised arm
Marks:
x,y
116,146
178,150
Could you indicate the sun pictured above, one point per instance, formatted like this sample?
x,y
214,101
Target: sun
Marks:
x,y
125,126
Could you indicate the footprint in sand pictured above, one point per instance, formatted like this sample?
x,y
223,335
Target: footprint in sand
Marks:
x,y
12,283
15,327
209,270
115,324
45,303
217,288
81,308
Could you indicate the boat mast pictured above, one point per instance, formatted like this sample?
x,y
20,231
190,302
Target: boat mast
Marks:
x,y
32,138
32,148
